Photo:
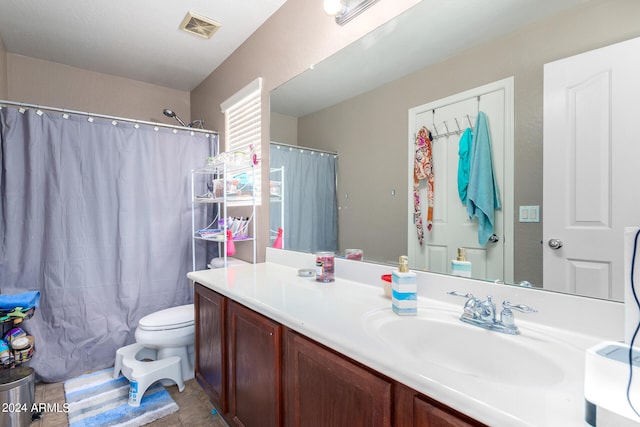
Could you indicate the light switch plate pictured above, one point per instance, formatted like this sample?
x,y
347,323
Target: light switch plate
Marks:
x,y
529,213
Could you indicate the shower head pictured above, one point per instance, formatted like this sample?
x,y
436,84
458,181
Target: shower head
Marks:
x,y
173,115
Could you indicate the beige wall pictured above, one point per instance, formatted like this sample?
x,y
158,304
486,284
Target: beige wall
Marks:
x,y
35,81
3,71
374,161
298,35
283,129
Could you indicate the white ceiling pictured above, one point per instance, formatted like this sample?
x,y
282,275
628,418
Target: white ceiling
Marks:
x,y
137,39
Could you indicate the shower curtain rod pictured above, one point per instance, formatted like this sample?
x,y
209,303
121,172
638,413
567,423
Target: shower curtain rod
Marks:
x,y
102,116
298,147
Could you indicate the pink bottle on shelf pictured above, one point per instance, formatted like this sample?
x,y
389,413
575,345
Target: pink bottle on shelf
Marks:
x,y
231,247
278,243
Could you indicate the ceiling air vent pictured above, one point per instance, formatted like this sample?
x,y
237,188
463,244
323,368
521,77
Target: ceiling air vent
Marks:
x,y
199,25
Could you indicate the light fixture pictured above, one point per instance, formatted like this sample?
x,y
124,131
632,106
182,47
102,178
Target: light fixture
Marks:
x,y
346,10
334,7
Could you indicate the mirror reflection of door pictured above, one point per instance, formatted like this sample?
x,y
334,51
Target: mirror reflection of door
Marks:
x,y
452,228
591,159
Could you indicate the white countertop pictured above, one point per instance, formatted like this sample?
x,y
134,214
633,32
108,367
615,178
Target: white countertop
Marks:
x,y
333,314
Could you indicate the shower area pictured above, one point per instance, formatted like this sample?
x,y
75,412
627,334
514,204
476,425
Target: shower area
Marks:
x,y
95,215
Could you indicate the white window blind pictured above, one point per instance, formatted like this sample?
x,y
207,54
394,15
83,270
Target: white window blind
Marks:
x,y
243,125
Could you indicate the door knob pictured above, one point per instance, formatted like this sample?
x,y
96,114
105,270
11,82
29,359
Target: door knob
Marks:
x,y
493,238
555,243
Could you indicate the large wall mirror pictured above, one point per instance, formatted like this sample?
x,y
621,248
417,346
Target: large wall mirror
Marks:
x,y
356,103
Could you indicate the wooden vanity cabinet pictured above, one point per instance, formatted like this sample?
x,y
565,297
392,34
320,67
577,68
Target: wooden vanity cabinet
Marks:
x,y
210,349
255,368
323,388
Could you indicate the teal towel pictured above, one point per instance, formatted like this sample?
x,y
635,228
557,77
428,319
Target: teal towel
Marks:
x,y
464,159
482,193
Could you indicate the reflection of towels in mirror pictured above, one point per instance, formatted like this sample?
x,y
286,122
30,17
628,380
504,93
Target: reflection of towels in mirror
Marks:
x,y
482,192
464,160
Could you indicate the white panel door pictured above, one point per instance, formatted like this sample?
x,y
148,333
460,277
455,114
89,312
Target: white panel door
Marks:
x,y
591,159
451,226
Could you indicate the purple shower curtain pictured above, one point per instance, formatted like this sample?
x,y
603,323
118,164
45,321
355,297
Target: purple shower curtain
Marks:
x,y
96,217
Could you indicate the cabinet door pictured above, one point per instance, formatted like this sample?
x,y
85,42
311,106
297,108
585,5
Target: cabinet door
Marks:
x,y
324,389
414,410
211,362
255,368
428,415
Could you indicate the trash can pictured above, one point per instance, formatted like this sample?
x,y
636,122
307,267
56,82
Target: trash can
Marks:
x,y
17,394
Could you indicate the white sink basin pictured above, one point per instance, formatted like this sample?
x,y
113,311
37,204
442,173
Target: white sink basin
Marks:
x,y
438,337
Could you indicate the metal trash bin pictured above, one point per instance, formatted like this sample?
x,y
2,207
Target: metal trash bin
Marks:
x,y
17,394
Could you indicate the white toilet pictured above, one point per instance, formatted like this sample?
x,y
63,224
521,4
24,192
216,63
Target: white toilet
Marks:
x,y
163,351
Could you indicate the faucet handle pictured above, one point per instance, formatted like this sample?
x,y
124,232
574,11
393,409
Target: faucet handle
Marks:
x,y
507,318
519,307
459,294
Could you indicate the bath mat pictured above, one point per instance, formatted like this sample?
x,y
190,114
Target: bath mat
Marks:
x,y
96,399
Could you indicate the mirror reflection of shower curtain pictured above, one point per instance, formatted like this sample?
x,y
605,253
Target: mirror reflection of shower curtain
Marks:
x,y
310,202
97,217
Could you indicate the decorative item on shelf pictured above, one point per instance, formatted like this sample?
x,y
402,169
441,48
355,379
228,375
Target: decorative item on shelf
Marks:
x,y
278,243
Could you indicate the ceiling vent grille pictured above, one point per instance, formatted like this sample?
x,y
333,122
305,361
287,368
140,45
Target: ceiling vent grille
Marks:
x,y
199,25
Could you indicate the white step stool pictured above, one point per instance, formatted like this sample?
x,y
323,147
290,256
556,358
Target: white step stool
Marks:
x,y
141,374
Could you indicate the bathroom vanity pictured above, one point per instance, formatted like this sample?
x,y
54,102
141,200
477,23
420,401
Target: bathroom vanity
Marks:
x,y
259,372
277,349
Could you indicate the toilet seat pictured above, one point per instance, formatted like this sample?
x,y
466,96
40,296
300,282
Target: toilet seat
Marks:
x,y
169,318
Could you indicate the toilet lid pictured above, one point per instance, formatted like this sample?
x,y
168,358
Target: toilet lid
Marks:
x,y
169,318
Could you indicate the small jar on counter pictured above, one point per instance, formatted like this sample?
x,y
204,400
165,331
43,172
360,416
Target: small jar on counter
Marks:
x,y
325,267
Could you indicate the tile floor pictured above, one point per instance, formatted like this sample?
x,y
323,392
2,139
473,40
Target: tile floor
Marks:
x,y
195,408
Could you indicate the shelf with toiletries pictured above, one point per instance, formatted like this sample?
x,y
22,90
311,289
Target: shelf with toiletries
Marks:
x,y
223,207
16,345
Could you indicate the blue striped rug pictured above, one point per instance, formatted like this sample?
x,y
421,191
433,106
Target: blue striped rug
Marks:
x,y
96,399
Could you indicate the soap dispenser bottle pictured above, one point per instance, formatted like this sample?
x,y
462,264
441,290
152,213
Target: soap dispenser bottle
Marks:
x,y
404,289
460,266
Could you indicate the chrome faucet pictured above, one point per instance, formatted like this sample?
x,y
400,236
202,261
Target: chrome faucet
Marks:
x,y
483,313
